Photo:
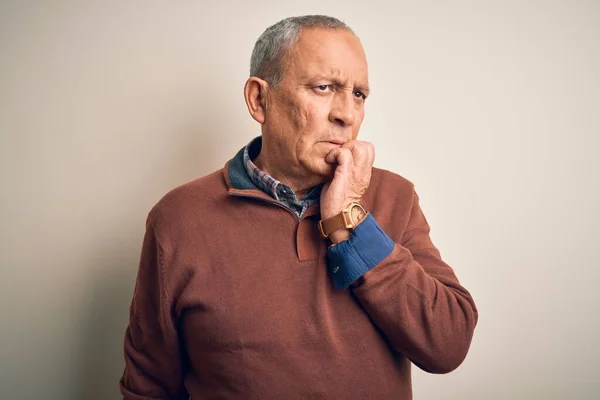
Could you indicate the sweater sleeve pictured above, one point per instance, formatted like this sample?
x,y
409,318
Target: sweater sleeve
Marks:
x,y
417,301
153,356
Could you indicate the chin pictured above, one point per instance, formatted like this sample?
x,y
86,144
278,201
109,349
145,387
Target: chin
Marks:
x,y
322,170
317,169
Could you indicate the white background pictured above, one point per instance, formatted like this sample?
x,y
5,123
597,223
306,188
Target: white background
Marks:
x,y
492,108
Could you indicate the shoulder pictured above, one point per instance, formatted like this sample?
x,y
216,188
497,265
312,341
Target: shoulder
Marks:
x,y
189,200
388,185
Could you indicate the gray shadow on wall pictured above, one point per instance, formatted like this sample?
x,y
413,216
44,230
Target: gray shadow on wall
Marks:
x,y
103,333
102,363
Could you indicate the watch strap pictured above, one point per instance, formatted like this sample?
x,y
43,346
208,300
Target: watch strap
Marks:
x,y
342,220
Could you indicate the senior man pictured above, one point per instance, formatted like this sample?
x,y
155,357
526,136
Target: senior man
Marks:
x,y
298,271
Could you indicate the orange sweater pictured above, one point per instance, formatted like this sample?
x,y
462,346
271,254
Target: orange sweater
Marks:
x,y
233,300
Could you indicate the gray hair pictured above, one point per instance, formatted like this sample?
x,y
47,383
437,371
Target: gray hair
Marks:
x,y
275,43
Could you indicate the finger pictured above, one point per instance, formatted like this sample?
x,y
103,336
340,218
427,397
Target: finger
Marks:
x,y
362,152
339,155
344,169
350,144
371,153
345,157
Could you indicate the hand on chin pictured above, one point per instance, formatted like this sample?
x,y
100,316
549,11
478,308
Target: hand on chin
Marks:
x,y
319,171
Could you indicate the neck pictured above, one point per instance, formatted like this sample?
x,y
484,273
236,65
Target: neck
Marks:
x,y
300,186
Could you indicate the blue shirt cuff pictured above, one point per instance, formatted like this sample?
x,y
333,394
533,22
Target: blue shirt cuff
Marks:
x,y
367,246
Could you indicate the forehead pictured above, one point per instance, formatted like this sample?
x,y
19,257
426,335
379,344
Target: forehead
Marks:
x,y
328,52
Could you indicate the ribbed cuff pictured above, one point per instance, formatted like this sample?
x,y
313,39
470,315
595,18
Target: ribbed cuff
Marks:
x,y
367,246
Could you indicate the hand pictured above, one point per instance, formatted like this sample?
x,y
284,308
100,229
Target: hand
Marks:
x,y
351,178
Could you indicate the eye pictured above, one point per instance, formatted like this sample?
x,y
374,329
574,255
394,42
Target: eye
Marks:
x,y
323,88
359,95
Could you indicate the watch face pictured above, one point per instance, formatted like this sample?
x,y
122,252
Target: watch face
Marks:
x,y
357,213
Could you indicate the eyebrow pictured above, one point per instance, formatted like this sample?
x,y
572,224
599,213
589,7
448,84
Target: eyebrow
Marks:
x,y
364,89
334,77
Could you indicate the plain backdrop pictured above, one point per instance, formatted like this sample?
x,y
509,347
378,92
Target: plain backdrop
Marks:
x,y
492,109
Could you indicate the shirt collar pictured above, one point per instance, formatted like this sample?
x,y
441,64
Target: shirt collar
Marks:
x,y
265,182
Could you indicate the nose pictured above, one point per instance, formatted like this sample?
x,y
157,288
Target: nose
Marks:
x,y
343,110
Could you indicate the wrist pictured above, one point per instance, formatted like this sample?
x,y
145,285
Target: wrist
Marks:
x,y
339,236
340,226
329,210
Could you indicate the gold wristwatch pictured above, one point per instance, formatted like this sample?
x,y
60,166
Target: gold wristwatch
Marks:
x,y
349,218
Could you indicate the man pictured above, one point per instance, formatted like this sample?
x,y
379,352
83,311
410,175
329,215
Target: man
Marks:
x,y
298,271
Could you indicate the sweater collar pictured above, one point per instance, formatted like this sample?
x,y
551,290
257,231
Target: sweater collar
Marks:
x,y
240,183
236,173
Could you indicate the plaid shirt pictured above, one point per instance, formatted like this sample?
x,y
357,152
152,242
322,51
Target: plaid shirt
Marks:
x,y
277,190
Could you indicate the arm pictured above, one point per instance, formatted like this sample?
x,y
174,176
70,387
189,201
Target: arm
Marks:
x,y
153,359
409,292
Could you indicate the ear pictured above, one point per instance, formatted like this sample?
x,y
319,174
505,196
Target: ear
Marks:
x,y
255,94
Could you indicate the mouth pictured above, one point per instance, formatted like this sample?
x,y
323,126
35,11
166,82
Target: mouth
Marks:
x,y
335,142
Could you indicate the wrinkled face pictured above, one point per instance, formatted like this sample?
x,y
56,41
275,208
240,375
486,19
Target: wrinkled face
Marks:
x,y
319,103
